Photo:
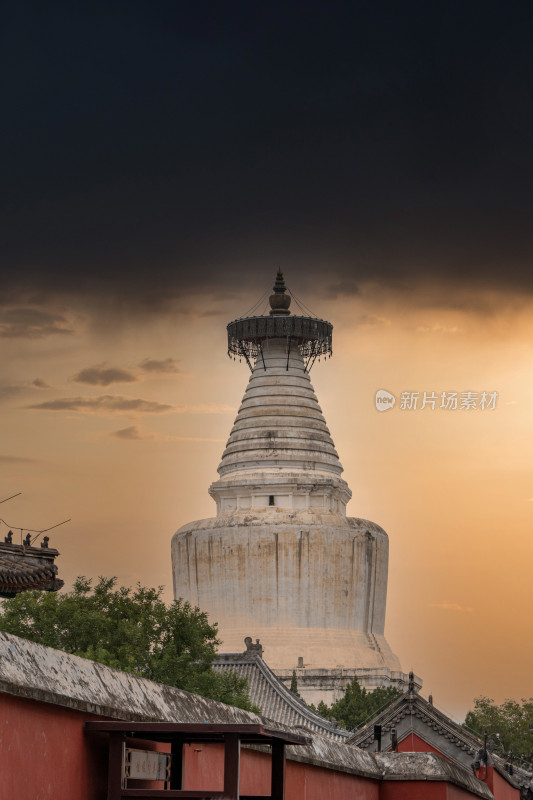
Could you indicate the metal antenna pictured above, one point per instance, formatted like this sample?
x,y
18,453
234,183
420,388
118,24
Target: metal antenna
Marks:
x,y
10,498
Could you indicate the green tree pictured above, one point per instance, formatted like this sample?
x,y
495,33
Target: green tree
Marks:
x,y
512,720
294,684
129,629
358,706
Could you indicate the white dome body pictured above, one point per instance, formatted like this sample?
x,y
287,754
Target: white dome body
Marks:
x,y
281,562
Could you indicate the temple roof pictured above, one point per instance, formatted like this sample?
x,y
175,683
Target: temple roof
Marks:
x,y
276,702
411,713
23,567
411,704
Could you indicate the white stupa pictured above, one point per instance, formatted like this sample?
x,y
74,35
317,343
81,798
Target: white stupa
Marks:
x,y
281,562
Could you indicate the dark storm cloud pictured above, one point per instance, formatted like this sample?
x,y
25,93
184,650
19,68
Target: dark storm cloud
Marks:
x,y
105,404
40,383
102,375
165,365
156,151
31,323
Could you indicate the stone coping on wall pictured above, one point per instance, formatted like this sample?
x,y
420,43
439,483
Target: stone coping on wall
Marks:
x,y
428,767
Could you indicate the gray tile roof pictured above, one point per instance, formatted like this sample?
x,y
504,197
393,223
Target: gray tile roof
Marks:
x,y
458,744
276,702
23,567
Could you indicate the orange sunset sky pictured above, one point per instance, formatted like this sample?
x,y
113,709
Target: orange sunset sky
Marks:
x,y
160,162
120,424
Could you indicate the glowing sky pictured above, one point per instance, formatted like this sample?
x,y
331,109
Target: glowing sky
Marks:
x,y
122,430
160,164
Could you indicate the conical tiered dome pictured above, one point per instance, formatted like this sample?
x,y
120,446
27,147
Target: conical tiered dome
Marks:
x,y
280,440
279,424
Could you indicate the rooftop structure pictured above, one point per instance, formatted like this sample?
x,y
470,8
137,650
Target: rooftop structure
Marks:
x,y
24,567
412,723
270,694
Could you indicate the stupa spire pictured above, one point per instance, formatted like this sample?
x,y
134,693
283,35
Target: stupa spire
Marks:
x,y
279,301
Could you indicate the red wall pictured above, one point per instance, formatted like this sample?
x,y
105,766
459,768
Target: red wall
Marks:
x,y
414,744
422,790
500,788
44,753
412,790
503,790
454,793
204,769
316,783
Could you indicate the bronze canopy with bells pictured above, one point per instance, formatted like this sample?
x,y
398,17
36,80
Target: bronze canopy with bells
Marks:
x,y
311,335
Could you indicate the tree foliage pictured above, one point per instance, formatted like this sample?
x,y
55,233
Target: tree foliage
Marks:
x,y
358,706
512,720
294,684
129,629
